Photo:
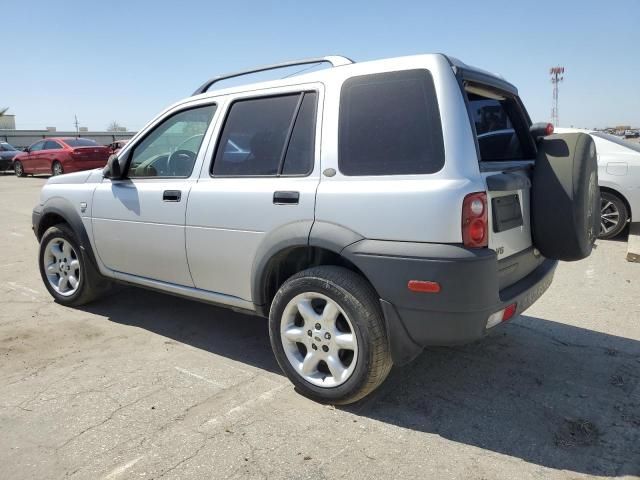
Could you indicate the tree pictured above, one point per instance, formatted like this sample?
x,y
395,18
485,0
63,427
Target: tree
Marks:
x,y
116,127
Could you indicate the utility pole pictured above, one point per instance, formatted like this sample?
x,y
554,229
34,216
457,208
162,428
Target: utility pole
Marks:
x,y
557,76
77,126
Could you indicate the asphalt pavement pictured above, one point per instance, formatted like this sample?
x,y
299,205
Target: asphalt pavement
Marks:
x,y
144,385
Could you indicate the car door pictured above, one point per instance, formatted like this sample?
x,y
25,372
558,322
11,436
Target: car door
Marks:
x,y
48,154
260,184
32,163
139,220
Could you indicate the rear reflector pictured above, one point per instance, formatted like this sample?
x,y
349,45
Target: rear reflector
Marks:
x,y
502,315
423,286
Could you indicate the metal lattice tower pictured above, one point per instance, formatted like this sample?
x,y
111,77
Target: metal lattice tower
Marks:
x,y
557,75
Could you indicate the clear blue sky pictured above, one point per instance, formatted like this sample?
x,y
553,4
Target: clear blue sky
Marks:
x,y
127,60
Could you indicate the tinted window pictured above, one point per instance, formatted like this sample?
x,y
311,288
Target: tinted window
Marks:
x,y
37,146
79,142
256,132
170,150
390,125
500,127
51,145
300,152
6,147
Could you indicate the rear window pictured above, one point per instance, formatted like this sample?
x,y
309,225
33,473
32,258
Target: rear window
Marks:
x,y
501,127
80,142
390,125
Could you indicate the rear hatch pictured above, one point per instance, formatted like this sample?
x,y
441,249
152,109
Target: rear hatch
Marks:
x,y
506,154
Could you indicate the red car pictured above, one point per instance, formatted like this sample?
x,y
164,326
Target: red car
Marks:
x,y
56,156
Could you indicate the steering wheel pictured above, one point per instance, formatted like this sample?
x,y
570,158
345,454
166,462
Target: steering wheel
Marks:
x,y
180,162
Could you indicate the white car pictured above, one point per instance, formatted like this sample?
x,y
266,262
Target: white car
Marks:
x,y
619,180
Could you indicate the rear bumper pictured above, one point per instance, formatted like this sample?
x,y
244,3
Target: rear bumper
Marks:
x,y
470,291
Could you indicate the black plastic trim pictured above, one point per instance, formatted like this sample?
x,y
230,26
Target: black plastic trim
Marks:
x,y
507,182
403,348
288,236
64,209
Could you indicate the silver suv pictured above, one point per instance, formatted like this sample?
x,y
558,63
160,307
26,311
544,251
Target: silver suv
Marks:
x,y
367,209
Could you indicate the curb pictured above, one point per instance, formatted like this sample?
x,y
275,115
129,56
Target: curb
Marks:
x,y
633,245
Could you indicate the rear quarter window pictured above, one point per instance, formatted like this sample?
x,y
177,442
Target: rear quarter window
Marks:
x,y
390,125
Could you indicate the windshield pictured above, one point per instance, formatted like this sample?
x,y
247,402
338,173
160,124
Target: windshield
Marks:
x,y
6,147
80,142
618,141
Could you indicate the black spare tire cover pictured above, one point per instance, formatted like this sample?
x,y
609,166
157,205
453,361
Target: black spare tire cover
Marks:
x,y
565,198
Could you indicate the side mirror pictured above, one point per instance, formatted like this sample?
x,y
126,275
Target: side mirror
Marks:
x,y
26,150
112,169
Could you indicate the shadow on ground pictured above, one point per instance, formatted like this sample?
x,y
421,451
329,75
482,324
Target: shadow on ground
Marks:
x,y
550,394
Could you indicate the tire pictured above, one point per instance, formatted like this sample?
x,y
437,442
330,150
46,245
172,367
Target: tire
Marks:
x,y
365,360
18,169
89,283
56,168
613,215
565,198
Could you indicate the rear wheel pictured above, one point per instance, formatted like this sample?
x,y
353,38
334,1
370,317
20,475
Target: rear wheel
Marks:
x,y
328,335
56,168
613,215
18,169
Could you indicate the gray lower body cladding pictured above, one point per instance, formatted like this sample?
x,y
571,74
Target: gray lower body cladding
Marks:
x,y
472,286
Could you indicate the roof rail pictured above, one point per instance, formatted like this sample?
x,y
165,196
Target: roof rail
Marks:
x,y
334,60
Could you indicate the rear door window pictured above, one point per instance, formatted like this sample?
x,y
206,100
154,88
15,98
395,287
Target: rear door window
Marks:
x,y
268,136
390,125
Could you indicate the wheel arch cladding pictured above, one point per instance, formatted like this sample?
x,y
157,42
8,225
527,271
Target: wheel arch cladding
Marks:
x,y
58,210
295,247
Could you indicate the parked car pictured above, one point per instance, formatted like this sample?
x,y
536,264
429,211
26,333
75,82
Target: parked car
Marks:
x,y
619,180
364,209
56,156
631,134
117,145
7,153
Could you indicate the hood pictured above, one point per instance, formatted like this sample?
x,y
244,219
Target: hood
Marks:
x,y
9,154
71,178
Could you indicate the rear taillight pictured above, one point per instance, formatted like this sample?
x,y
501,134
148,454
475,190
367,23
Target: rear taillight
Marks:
x,y
475,226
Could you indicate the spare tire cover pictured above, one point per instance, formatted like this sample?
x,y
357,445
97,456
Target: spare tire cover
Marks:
x,y
565,197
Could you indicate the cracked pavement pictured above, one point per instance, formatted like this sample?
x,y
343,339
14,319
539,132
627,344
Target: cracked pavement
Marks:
x,y
144,385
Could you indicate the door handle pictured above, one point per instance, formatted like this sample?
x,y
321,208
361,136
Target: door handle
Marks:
x,y
286,198
171,195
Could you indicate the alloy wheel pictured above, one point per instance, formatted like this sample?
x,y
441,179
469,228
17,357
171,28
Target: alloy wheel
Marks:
x,y
319,339
609,216
62,266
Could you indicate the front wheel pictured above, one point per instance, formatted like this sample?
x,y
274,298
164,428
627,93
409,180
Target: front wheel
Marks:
x,y
65,269
328,335
18,169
